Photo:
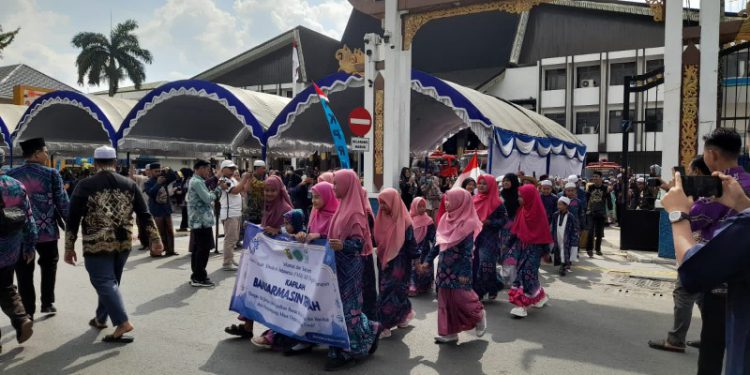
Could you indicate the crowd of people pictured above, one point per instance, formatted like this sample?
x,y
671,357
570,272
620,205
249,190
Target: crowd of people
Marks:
x,y
487,234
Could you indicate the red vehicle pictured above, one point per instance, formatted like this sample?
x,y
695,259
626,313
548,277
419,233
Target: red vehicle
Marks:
x,y
608,168
447,163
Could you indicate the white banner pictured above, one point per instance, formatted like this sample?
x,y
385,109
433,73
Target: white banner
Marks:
x,y
290,287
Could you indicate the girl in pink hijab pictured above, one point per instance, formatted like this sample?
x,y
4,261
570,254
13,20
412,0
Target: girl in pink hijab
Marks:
x,y
349,237
324,205
394,236
491,212
326,177
424,234
459,308
277,203
531,233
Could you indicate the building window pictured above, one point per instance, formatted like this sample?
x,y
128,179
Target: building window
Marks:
x,y
652,65
554,79
735,65
615,120
587,122
557,117
588,76
618,72
654,119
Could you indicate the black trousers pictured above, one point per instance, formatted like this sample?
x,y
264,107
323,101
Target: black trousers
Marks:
x,y
48,258
10,301
201,243
184,221
713,332
596,230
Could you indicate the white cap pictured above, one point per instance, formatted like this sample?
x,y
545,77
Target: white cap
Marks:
x,y
565,200
105,152
570,185
547,183
228,164
259,163
147,167
573,178
640,180
499,179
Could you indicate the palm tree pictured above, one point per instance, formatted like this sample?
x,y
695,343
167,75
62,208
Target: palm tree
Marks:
x,y
110,59
6,38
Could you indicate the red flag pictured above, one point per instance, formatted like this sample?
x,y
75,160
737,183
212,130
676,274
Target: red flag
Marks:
x,y
472,170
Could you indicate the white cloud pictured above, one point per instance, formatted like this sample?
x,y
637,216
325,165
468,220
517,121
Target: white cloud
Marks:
x,y
328,17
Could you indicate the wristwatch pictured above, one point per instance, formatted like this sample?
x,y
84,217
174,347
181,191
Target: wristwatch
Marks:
x,y
678,216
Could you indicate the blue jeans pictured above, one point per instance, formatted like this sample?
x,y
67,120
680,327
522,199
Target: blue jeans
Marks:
x,y
105,272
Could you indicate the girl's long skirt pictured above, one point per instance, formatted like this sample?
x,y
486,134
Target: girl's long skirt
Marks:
x,y
526,289
458,310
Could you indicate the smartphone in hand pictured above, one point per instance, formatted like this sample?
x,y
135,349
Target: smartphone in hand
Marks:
x,y
702,186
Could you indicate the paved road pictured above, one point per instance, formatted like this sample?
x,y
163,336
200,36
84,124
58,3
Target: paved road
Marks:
x,y
597,322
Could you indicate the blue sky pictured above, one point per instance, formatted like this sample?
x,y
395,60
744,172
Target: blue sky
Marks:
x,y
185,36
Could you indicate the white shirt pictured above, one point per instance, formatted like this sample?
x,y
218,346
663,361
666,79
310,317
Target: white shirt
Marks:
x,y
231,204
561,235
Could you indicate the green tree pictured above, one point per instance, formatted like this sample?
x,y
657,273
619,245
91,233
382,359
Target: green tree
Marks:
x,y
110,59
6,38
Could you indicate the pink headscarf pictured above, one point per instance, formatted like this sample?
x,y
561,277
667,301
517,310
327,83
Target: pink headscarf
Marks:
x,y
531,224
273,211
320,219
326,177
459,221
420,222
349,219
486,203
390,229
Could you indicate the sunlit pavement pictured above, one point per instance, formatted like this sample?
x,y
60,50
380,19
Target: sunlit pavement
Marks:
x,y
598,321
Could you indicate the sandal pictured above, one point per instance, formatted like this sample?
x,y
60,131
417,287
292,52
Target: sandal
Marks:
x,y
122,339
236,330
95,323
261,342
665,345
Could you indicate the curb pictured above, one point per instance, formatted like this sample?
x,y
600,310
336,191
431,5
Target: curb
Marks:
x,y
631,256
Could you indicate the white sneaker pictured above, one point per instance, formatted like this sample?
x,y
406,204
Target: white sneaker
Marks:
x,y
446,339
543,302
230,267
519,312
481,327
386,333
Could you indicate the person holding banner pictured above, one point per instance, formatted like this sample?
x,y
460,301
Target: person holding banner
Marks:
x,y
349,236
493,216
277,203
370,287
531,234
459,308
424,234
394,235
324,207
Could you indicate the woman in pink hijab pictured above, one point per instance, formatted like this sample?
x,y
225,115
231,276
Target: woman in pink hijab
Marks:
x,y
394,236
326,177
491,212
531,233
349,236
424,234
324,205
277,203
459,308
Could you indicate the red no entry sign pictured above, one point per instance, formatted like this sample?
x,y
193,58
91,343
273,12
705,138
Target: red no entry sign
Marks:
x,y
360,121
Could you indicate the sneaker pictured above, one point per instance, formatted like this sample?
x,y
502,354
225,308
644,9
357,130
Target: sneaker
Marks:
x,y
407,320
386,333
519,312
599,253
230,267
202,284
234,263
481,327
542,303
446,339
49,309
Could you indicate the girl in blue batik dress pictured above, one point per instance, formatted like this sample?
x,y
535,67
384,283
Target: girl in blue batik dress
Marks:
x,y
564,236
509,255
492,214
424,234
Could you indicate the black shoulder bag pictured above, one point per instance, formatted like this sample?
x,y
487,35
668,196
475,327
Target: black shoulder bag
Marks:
x,y
12,220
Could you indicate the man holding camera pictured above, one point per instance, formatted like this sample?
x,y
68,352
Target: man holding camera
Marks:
x,y
231,210
161,208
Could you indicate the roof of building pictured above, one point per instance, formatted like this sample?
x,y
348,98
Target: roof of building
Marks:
x,y
271,61
22,74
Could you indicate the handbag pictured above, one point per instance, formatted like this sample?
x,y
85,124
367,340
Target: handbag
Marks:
x,y
12,219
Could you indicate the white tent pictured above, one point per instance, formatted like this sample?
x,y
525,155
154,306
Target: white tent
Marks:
x,y
10,114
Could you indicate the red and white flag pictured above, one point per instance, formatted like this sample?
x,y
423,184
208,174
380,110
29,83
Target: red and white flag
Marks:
x,y
321,95
295,63
472,170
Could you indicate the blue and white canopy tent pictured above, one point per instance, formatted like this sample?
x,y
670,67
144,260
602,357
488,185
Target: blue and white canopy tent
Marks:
x,y
72,123
520,139
193,117
10,114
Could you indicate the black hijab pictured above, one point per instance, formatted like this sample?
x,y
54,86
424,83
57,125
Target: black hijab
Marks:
x,y
510,196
